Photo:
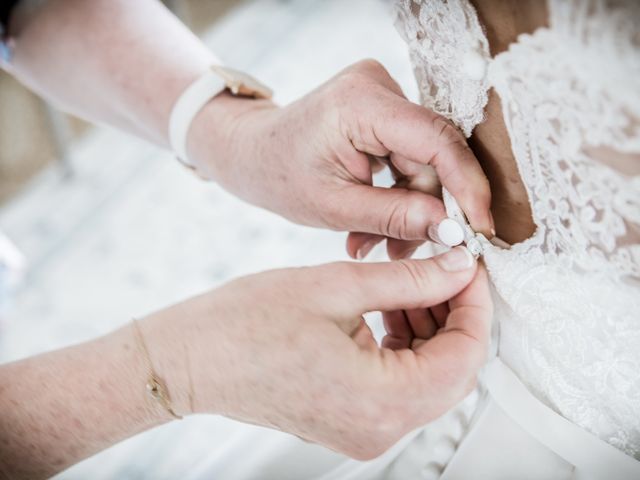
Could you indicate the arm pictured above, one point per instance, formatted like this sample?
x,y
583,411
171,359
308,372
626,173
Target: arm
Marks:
x,y
262,349
110,61
125,63
60,407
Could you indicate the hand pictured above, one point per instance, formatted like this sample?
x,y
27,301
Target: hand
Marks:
x,y
289,348
312,161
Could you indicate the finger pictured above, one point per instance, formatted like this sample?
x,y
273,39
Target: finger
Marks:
x,y
422,323
404,284
423,136
391,212
359,244
399,334
376,163
374,69
440,313
395,343
396,324
409,175
363,336
455,355
415,176
412,176
397,249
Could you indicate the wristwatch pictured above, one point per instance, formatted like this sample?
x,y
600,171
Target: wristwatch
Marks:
x,y
213,82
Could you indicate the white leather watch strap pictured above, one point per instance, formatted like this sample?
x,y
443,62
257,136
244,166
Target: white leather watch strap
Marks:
x,y
195,96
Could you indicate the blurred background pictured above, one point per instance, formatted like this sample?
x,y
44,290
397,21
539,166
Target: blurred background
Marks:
x,y
97,227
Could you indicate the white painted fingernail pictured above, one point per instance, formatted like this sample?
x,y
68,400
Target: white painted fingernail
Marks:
x,y
448,232
456,259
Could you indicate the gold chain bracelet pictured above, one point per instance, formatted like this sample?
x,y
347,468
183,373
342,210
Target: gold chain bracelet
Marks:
x,y
156,388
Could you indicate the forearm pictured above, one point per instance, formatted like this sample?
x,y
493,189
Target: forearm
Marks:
x,y
61,407
110,61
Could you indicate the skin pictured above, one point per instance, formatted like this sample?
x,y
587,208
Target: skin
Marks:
x,y
264,348
503,21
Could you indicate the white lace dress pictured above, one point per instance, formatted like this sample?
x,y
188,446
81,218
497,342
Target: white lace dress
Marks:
x,y
568,298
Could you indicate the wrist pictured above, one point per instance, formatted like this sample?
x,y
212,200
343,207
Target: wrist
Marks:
x,y
220,132
188,352
165,354
127,376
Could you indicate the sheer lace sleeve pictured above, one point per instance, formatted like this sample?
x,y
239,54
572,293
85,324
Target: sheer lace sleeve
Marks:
x,y
449,53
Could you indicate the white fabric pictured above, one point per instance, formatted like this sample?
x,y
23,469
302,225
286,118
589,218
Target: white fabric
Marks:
x,y
190,102
592,457
498,449
516,436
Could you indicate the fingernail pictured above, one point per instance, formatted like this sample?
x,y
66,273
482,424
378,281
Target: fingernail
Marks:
x,y
364,250
456,259
448,233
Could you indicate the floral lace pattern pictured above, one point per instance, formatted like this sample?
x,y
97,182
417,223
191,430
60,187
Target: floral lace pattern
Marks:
x,y
571,103
443,38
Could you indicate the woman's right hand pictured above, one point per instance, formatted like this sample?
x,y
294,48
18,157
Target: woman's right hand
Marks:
x,y
289,348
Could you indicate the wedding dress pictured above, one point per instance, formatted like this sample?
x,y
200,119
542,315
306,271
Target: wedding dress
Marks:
x,y
568,298
561,397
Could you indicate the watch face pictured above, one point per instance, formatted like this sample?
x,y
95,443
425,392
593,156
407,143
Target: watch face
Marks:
x,y
241,83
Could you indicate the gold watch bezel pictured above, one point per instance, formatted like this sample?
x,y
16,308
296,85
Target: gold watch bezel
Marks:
x,y
241,83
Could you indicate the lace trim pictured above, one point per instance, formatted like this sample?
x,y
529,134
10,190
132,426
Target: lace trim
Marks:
x,y
449,52
585,211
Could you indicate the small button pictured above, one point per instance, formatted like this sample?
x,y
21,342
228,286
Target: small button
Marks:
x,y
474,65
475,247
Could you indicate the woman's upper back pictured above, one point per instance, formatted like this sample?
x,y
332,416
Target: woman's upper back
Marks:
x,y
569,294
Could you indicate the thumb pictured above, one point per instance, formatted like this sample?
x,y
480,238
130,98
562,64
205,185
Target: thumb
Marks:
x,y
392,212
408,284
422,136
452,358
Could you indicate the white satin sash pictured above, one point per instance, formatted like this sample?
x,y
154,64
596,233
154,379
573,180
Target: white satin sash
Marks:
x,y
517,436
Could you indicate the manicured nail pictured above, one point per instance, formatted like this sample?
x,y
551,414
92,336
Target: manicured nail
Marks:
x,y
448,233
456,259
366,247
